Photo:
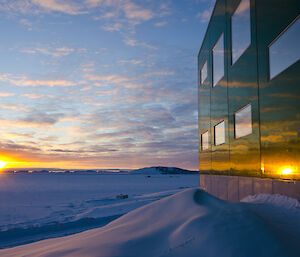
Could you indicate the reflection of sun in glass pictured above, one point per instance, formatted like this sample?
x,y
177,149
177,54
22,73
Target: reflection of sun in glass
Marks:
x,y
287,171
2,164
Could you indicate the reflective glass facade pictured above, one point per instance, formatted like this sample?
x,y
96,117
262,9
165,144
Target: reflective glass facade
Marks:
x,y
257,92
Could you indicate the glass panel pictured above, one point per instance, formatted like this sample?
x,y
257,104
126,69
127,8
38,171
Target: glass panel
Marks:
x,y
220,133
218,60
243,122
204,141
204,73
240,30
285,50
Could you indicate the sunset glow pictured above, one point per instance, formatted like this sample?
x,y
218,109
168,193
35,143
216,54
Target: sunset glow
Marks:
x,y
108,84
2,164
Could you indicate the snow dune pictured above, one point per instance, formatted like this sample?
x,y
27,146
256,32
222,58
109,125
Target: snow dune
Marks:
x,y
189,223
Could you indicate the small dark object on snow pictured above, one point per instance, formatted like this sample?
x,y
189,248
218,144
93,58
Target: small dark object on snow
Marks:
x,y
121,196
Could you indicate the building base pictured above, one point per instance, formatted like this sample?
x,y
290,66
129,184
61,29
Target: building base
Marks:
x,y
234,188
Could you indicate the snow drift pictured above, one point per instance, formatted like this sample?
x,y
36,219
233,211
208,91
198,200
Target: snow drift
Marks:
x,y
40,206
189,223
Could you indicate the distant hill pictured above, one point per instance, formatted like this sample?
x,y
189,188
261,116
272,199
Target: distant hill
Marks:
x,y
162,170
145,171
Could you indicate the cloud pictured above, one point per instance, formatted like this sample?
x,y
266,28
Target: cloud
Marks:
x,y
133,11
68,7
23,81
113,27
6,94
11,146
13,135
90,149
48,139
160,24
158,73
204,16
130,10
56,52
133,42
33,96
42,118
115,79
47,83
95,3
28,24
109,8
131,61
13,107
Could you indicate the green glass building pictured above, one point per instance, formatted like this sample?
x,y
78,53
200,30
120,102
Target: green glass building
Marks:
x,y
249,91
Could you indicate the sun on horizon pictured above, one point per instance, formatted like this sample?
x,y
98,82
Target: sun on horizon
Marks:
x,y
2,164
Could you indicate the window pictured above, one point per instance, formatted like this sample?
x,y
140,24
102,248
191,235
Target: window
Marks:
x,y
240,30
284,50
204,141
218,60
243,122
204,72
219,132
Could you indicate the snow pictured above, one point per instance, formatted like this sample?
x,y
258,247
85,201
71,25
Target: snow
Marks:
x,y
275,199
40,206
188,223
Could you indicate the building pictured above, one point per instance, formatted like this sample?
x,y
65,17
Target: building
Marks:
x,y
249,98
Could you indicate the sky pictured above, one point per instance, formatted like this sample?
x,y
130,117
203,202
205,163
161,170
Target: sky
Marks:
x,y
100,83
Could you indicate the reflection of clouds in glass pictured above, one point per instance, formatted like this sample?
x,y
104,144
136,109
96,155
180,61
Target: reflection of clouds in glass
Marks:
x,y
218,60
243,122
204,141
204,72
285,51
284,95
240,30
220,133
278,136
239,84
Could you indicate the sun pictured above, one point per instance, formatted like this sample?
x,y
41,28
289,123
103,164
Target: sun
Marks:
x,y
2,164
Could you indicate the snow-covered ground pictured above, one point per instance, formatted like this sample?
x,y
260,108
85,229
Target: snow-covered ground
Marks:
x,y
39,206
189,223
